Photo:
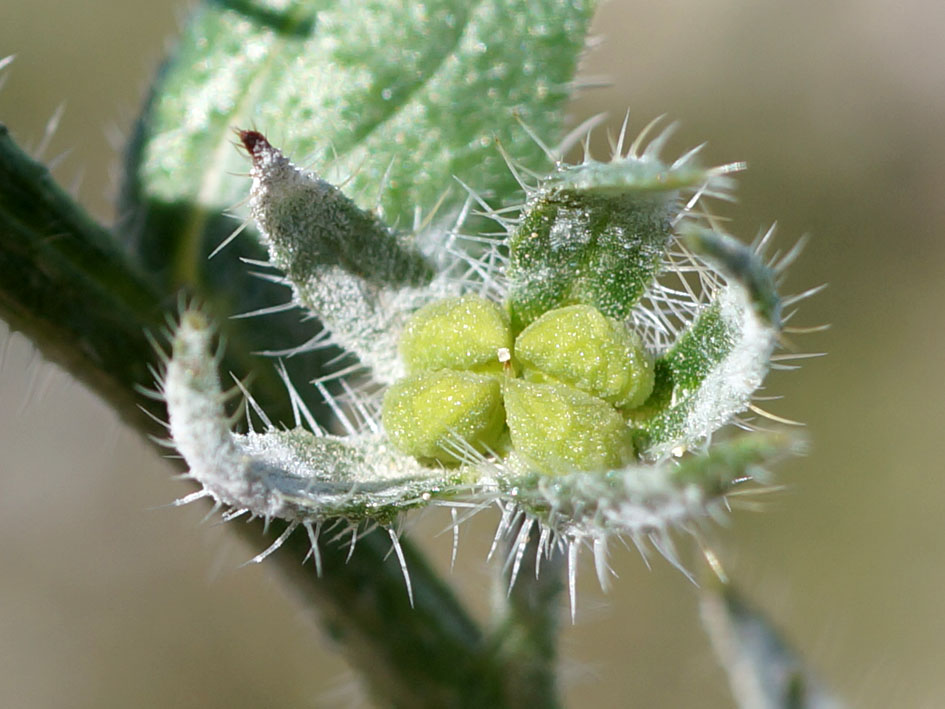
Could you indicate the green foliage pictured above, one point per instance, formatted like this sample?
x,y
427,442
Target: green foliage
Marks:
x,y
366,90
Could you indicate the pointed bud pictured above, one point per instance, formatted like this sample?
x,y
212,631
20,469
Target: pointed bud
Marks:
x,y
360,278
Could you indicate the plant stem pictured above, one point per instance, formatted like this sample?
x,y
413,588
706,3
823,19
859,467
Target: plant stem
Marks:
x,y
526,630
66,285
432,655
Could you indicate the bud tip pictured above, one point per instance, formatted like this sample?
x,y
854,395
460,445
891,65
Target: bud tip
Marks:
x,y
254,141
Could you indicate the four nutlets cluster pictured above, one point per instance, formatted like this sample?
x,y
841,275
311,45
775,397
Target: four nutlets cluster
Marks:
x,y
573,369
564,386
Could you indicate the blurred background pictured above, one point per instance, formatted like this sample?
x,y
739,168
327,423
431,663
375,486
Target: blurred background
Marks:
x,y
839,110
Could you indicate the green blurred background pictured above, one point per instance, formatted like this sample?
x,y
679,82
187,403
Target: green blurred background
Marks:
x,y
839,110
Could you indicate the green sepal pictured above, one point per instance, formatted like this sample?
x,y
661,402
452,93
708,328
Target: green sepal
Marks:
x,y
360,278
740,264
719,469
709,375
353,477
596,234
644,498
313,230
297,475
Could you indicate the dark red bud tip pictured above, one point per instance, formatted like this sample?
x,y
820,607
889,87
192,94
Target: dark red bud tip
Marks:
x,y
254,141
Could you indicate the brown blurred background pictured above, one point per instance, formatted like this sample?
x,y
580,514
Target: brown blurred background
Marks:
x,y
839,109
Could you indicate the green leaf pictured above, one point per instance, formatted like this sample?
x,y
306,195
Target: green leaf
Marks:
x,y
710,373
407,95
400,95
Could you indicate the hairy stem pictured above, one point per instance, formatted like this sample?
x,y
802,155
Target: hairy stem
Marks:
x,y
526,631
432,655
66,285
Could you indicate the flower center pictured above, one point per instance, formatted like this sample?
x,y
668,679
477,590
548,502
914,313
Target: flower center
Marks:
x,y
554,396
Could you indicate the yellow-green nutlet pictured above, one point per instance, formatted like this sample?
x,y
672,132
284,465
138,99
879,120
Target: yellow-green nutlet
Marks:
x,y
468,333
560,429
580,346
429,415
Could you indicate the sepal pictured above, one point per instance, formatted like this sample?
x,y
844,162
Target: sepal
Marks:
x,y
712,371
598,233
